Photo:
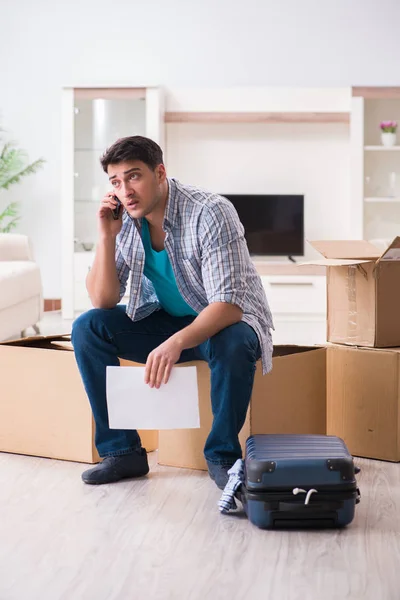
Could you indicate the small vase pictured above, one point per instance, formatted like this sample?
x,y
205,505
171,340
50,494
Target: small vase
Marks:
x,y
388,139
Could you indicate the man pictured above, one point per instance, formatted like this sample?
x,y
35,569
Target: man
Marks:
x,y
195,294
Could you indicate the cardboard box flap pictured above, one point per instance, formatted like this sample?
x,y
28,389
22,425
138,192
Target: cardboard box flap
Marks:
x,y
65,345
392,252
333,262
37,339
347,249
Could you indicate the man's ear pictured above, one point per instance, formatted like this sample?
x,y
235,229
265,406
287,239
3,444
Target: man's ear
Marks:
x,y
161,173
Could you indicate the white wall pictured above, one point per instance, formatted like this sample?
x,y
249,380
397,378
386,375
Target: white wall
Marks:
x,y
45,45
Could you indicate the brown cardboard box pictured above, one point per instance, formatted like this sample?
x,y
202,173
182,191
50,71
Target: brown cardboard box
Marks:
x,y
44,410
363,288
171,442
363,400
290,399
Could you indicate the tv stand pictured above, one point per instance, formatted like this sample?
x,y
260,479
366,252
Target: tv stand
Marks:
x,y
291,259
297,297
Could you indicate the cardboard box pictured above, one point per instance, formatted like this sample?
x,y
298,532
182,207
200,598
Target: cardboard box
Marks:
x,y
44,410
184,447
290,399
363,288
363,400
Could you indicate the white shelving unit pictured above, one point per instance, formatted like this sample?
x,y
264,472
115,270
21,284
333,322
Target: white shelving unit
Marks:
x,y
93,118
375,169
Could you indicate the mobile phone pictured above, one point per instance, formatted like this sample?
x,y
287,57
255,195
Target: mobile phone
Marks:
x,y
116,211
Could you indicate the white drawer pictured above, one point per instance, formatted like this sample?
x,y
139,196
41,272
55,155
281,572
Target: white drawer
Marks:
x,y
295,294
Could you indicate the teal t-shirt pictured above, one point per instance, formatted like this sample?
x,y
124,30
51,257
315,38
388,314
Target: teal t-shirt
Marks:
x,y
157,268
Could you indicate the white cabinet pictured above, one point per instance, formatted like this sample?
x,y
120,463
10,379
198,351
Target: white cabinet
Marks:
x,y
93,119
375,177
298,305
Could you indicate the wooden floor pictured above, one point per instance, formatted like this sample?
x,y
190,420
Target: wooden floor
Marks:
x,y
162,537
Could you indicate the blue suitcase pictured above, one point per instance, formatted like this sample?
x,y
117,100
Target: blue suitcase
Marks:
x,y
297,481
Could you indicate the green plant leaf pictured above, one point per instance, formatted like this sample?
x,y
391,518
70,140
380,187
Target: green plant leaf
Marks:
x,y
11,162
11,225
10,212
16,177
13,168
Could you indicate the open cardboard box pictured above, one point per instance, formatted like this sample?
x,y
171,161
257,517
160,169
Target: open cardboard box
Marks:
x,y
363,400
363,290
290,399
44,410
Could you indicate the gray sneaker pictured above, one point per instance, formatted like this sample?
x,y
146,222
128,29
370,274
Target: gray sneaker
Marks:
x,y
115,468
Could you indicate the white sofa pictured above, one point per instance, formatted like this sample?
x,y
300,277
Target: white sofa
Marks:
x,y
21,297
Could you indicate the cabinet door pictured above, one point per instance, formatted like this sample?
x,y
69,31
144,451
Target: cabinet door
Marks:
x,y
296,294
93,119
98,123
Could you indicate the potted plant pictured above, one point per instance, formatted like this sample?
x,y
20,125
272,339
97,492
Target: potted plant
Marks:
x,y
388,133
13,167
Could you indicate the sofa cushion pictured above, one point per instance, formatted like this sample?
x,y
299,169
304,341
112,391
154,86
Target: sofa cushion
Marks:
x,y
19,280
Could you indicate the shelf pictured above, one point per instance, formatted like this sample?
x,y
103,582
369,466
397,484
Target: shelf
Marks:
x,y
382,148
256,117
113,93
377,199
377,93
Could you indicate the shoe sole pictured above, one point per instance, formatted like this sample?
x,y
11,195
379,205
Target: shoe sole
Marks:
x,y
114,480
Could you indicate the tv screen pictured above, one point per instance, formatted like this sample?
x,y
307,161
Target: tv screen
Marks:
x,y
274,225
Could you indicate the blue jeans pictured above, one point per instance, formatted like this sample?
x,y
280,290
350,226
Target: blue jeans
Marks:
x,y
101,336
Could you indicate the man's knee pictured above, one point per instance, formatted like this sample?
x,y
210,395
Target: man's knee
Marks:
x,y
87,323
235,344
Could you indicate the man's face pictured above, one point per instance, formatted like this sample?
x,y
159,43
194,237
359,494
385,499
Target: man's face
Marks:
x,y
137,187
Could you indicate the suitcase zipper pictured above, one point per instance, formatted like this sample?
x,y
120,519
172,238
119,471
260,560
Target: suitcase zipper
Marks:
x,y
287,494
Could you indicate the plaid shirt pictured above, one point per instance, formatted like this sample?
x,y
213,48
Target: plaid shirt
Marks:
x,y
209,257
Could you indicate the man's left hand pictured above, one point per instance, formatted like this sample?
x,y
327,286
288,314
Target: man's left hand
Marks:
x,y
160,362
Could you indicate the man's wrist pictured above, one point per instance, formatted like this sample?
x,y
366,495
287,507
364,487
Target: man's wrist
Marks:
x,y
179,340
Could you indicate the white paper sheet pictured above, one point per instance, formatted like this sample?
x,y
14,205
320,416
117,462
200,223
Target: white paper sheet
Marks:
x,y
132,404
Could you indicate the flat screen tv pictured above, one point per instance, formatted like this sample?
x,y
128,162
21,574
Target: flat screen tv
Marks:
x,y
274,224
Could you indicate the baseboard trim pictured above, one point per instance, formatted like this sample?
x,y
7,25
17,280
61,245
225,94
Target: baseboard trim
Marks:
x,y
52,304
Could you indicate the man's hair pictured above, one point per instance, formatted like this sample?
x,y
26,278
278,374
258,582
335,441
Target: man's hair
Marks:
x,y
134,147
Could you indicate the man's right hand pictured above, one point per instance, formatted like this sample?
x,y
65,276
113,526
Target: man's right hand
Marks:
x,y
107,225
